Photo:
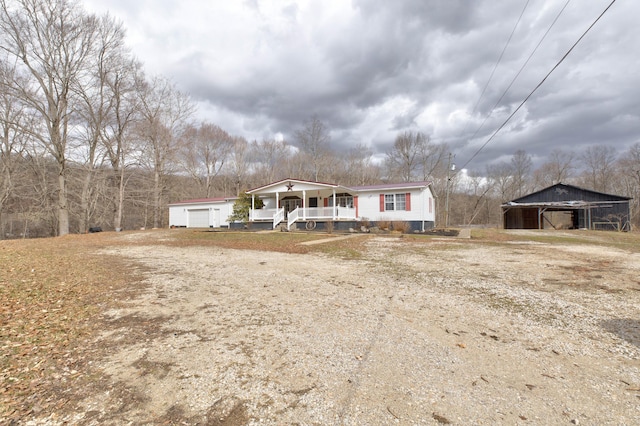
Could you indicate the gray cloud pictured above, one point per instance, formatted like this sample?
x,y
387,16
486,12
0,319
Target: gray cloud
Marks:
x,y
372,68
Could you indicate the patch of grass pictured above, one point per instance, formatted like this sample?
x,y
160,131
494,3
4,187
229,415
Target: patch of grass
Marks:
x,y
629,241
349,249
285,242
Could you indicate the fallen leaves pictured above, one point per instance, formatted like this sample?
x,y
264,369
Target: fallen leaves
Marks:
x,y
48,298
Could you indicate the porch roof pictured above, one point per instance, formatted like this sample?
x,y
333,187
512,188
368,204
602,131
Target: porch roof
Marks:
x,y
296,185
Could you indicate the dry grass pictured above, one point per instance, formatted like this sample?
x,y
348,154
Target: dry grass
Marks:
x,y
285,242
51,292
400,226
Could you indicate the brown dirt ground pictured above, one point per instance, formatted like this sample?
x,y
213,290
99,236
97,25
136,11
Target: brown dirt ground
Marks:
x,y
174,327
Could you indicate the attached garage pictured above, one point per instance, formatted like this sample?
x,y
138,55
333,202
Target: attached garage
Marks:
x,y
201,213
568,207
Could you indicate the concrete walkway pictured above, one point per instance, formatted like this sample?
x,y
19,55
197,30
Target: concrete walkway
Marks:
x,y
330,239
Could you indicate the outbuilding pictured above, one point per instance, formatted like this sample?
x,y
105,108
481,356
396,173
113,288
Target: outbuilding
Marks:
x,y
563,206
201,213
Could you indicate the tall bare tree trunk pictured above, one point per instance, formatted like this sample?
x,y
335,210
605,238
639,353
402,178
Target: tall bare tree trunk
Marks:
x,y
157,190
117,219
63,209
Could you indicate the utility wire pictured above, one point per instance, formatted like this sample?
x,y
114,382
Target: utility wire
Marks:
x,y
504,49
519,71
539,84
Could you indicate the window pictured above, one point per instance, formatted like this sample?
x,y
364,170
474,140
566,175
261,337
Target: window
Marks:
x,y
391,202
343,200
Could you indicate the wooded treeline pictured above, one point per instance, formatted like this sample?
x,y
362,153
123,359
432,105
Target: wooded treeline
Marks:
x,y
87,139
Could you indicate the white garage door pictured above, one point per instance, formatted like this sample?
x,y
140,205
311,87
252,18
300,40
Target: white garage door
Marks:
x,y
199,218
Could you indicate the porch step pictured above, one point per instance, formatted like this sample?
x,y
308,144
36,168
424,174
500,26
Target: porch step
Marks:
x,y
283,227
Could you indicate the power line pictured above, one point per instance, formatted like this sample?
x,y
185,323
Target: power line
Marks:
x,y
504,93
539,84
504,49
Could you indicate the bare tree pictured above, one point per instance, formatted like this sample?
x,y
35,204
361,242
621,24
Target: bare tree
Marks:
x,y
52,41
313,141
239,164
165,113
558,168
359,166
15,125
500,178
271,158
125,83
204,151
413,156
15,122
431,159
403,158
97,103
521,166
628,179
598,163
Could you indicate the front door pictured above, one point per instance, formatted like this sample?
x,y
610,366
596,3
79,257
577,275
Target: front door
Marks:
x,y
290,204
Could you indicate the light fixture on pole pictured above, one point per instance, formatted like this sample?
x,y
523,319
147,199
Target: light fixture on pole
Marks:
x,y
450,168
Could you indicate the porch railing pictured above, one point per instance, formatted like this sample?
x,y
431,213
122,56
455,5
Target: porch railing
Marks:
x,y
292,217
346,213
308,213
278,217
262,214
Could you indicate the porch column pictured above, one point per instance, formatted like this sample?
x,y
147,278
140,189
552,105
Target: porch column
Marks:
x,y
253,207
304,210
277,201
335,208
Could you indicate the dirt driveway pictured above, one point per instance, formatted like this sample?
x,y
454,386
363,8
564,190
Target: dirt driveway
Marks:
x,y
443,331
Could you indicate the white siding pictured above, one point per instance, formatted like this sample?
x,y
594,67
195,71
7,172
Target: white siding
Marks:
x,y
369,206
182,215
177,216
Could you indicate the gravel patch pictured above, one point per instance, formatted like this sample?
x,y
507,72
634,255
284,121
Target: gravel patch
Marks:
x,y
440,332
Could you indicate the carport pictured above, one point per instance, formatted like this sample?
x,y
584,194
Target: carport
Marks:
x,y
567,207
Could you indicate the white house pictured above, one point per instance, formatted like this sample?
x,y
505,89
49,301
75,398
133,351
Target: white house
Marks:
x,y
201,213
298,203
304,203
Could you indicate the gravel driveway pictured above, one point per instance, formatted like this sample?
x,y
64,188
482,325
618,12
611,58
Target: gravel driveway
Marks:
x,y
440,332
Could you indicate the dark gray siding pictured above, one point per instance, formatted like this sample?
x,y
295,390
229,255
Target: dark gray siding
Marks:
x,y
607,211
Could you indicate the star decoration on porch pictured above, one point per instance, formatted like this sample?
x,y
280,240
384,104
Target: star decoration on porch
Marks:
x,y
289,186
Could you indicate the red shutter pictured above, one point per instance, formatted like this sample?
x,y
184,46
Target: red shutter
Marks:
x,y
381,202
408,201
326,202
355,204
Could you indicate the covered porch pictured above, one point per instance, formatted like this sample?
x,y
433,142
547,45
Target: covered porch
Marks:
x,y
290,201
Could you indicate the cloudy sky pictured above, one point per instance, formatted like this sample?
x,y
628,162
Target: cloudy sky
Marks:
x,y
370,69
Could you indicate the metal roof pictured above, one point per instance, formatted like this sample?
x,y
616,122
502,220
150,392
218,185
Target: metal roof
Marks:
x,y
402,185
576,204
204,201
